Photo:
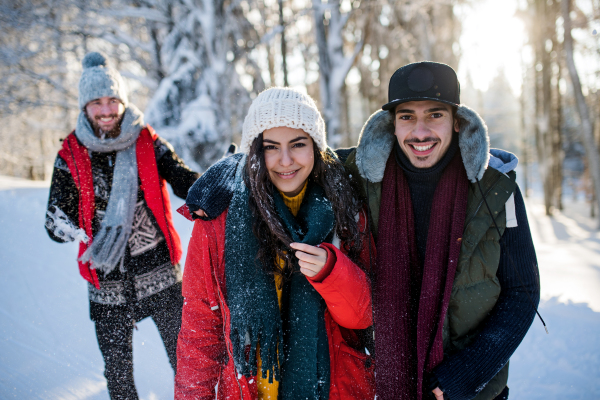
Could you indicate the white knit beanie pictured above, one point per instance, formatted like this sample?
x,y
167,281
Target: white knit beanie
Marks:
x,y
98,79
282,106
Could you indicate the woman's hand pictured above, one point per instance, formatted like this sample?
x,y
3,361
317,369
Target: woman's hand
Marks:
x,y
200,213
311,259
439,395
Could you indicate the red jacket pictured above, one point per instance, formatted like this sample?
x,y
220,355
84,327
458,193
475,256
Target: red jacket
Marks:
x,y
154,187
204,350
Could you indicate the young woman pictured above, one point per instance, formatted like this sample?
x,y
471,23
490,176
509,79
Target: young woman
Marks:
x,y
276,304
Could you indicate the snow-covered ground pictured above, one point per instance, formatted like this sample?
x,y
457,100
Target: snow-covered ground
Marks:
x,y
48,347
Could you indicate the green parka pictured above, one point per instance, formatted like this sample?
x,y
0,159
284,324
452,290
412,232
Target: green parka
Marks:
x,y
476,287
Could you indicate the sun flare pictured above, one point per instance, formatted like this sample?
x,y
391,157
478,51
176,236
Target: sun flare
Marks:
x,y
492,42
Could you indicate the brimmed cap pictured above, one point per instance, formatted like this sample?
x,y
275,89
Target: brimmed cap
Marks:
x,y
424,80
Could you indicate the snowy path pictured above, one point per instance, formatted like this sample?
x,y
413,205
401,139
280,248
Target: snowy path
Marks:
x,y
566,363
48,348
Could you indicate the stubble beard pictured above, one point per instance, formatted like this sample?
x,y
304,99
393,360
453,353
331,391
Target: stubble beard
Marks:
x,y
103,134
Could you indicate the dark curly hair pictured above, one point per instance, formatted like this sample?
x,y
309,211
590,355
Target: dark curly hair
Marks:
x,y
273,238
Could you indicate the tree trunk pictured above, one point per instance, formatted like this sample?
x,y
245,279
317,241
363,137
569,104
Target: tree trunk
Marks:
x,y
283,46
591,149
557,151
524,143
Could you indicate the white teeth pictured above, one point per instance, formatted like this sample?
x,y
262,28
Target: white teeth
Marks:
x,y
287,173
423,148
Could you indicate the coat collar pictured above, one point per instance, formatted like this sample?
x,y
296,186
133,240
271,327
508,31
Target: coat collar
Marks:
x,y
377,138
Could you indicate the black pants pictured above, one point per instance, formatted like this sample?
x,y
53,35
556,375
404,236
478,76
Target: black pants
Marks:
x,y
115,333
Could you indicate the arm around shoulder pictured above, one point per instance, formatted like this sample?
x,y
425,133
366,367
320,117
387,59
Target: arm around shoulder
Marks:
x,y
213,191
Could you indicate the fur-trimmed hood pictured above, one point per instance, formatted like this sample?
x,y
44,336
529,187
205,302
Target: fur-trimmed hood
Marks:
x,y
377,138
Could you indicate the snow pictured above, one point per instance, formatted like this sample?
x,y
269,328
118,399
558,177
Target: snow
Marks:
x,y
49,350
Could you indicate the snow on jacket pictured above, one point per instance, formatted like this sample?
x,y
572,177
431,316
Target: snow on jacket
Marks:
x,y
204,349
153,186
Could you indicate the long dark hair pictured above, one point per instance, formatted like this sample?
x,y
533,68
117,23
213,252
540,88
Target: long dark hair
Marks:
x,y
273,238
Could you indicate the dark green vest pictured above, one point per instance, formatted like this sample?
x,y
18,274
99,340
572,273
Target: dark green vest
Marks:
x,y
476,287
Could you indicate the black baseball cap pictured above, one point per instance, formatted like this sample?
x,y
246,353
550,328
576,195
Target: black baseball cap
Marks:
x,y
425,80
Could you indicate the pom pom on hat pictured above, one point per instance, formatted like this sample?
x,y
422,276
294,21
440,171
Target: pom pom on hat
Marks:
x,y
99,79
282,106
93,59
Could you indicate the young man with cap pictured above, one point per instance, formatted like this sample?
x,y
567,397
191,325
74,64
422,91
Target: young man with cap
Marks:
x,y
456,282
109,193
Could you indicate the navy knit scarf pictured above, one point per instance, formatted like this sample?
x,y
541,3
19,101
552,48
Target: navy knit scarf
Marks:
x,y
294,339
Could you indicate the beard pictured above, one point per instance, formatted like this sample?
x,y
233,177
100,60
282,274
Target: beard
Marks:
x,y
106,134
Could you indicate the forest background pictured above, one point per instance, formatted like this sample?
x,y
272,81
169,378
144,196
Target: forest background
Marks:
x,y
194,66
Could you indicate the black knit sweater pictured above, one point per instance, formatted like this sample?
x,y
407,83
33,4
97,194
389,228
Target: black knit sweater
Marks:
x,y
422,183
146,250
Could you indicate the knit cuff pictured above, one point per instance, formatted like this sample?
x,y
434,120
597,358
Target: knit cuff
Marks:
x,y
213,191
328,267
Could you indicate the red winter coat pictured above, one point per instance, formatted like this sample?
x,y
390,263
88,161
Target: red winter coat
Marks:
x,y
153,186
204,350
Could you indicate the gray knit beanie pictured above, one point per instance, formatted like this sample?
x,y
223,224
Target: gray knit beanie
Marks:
x,y
282,106
98,79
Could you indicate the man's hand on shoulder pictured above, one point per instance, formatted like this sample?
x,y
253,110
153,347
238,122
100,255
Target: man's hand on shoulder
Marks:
x,y
201,213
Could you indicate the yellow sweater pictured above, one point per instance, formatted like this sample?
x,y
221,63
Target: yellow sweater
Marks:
x,y
266,390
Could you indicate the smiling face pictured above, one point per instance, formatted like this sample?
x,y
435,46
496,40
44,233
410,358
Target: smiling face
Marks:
x,y
424,131
105,115
289,158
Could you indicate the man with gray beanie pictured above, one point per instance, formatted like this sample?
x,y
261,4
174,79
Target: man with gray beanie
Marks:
x,y
455,284
109,193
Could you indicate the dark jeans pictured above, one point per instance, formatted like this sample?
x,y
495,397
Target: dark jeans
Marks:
x,y
115,333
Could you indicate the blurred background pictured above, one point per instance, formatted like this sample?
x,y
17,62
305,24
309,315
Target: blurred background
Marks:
x,y
529,67
195,65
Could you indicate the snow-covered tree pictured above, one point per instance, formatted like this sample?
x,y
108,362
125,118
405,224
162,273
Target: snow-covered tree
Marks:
x,y
334,63
201,94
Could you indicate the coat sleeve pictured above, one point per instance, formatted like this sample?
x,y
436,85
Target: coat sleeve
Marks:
x,y
201,346
213,191
173,169
463,374
346,288
62,211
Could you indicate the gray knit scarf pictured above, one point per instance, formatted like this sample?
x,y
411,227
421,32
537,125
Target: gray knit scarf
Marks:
x,y
109,243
